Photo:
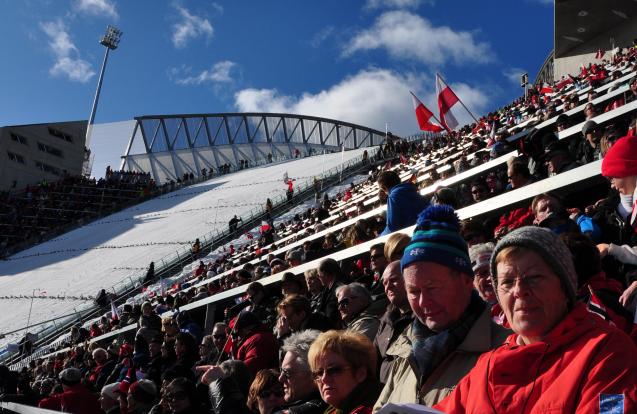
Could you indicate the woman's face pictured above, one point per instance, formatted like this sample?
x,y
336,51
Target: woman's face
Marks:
x,y
531,295
314,284
269,399
625,185
178,401
335,378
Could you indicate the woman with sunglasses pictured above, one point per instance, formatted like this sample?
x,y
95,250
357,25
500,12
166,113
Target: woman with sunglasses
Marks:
x,y
343,364
266,392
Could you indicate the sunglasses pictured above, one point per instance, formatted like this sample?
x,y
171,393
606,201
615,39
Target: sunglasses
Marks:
x,y
377,256
345,301
329,372
268,393
176,396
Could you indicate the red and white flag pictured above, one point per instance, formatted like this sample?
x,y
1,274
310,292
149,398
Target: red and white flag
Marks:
x,y
423,115
114,312
546,89
600,54
446,99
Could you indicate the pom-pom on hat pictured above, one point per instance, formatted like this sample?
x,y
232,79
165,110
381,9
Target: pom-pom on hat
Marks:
x,y
621,159
437,239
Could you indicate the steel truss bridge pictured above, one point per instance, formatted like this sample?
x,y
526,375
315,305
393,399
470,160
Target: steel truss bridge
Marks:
x,y
170,145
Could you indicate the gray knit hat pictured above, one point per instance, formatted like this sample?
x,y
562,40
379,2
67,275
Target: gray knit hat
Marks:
x,y
550,247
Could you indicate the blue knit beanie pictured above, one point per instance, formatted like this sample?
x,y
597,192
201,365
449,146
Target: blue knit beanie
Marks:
x,y
437,239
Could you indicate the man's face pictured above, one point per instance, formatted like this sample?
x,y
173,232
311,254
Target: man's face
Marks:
x,y
219,337
478,193
378,261
555,161
296,379
394,285
437,295
349,305
515,179
543,210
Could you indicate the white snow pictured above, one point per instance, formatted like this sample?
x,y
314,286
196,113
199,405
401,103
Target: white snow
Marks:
x,y
101,254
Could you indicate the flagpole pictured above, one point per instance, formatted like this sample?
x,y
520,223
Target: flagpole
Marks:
x,y
432,114
459,100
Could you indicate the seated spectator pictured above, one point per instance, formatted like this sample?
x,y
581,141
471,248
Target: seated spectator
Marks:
x,y
208,352
182,397
353,303
314,288
395,320
331,276
228,386
141,397
266,392
377,265
258,303
403,201
518,175
453,326
343,365
253,343
294,257
558,159
186,352
479,190
300,391
295,315
74,398
395,246
589,111
558,355
109,399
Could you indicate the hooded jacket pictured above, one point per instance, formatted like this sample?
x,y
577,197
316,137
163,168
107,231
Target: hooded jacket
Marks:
x,y
582,366
404,203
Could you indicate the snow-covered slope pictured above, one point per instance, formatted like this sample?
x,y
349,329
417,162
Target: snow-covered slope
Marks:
x,y
107,252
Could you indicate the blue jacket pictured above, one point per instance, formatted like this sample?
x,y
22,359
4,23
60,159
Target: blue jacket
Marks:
x,y
404,203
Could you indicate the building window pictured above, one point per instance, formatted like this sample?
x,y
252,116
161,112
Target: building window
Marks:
x,y
47,168
62,135
50,150
18,138
15,157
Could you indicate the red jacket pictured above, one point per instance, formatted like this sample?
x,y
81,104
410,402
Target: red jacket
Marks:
x,y
259,351
76,399
582,363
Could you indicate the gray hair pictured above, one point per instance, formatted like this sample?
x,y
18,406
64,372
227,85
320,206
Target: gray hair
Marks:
x,y
357,289
299,344
101,351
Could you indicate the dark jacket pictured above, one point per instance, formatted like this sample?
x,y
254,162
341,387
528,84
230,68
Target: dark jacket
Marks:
x,y
360,400
226,397
312,405
404,203
328,304
392,324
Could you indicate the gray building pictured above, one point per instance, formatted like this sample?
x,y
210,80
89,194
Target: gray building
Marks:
x,y
32,153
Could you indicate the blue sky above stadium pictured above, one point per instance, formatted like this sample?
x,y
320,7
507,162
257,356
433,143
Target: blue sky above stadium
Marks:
x,y
349,60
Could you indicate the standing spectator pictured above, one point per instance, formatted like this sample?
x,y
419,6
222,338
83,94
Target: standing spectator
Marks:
x,y
330,275
196,248
403,201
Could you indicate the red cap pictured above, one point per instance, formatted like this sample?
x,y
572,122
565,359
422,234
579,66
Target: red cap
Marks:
x,y
621,159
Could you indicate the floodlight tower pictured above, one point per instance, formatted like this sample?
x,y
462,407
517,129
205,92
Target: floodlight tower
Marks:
x,y
110,41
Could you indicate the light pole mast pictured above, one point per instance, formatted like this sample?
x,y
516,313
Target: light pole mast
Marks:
x,y
110,41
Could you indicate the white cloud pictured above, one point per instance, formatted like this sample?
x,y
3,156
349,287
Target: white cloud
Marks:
x,y
320,36
406,35
96,8
190,27
67,60
218,73
370,98
395,4
513,74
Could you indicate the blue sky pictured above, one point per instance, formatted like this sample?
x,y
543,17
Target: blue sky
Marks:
x,y
349,60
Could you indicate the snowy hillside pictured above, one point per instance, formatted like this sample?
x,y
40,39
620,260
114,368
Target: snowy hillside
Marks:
x,y
108,251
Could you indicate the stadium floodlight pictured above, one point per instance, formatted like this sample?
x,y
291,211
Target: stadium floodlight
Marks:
x,y
110,41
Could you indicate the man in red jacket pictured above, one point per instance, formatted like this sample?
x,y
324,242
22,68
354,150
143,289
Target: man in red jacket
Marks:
x,y
254,344
561,358
75,398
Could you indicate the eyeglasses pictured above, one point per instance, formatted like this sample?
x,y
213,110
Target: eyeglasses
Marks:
x,y
267,393
345,301
377,256
319,374
176,396
477,191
